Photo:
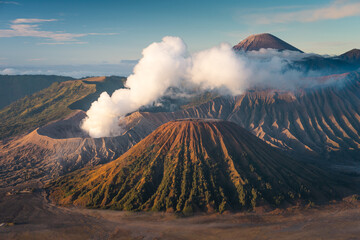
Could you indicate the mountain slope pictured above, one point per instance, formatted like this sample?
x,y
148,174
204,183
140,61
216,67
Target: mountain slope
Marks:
x,y
264,40
102,84
14,87
192,165
45,106
318,120
352,56
314,123
56,149
349,61
52,103
310,123
325,65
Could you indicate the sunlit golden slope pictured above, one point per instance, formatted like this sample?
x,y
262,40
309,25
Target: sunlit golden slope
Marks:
x,y
192,165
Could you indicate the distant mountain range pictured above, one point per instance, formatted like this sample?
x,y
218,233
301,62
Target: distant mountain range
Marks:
x,y
14,87
346,62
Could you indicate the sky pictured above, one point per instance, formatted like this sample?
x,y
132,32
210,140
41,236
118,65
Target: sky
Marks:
x,y
86,37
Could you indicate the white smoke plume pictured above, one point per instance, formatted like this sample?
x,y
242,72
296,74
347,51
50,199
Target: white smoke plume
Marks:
x,y
219,67
168,64
163,65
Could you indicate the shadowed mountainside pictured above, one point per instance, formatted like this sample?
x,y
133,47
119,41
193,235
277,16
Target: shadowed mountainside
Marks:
x,y
324,65
14,87
352,56
53,103
102,84
195,165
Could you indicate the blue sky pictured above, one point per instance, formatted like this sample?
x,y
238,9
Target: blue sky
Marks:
x,y
58,33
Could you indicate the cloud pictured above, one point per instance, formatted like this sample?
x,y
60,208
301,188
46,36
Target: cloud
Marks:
x,y
8,71
76,71
102,34
32,20
164,64
168,65
9,2
21,27
36,59
61,43
336,10
29,30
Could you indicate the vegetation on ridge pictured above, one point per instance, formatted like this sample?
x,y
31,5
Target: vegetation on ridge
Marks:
x,y
42,107
52,103
194,165
14,87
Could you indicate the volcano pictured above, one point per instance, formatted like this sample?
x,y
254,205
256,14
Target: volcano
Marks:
x,y
265,40
194,165
317,122
352,56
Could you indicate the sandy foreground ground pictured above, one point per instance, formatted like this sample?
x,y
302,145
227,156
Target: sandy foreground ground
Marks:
x,y
32,216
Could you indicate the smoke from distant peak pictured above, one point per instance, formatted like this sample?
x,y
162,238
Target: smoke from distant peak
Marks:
x,y
168,64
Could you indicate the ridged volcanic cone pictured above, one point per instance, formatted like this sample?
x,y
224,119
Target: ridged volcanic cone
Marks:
x,y
194,165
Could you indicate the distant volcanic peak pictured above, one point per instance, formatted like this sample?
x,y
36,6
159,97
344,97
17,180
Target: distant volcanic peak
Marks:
x,y
354,51
265,40
193,165
351,56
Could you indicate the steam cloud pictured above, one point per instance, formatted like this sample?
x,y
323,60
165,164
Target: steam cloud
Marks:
x,y
168,64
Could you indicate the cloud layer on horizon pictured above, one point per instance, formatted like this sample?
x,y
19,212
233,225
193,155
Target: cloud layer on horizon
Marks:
x,y
336,10
10,2
32,20
24,27
124,68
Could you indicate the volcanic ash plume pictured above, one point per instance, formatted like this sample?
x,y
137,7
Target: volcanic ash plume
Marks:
x,y
219,68
168,64
163,65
